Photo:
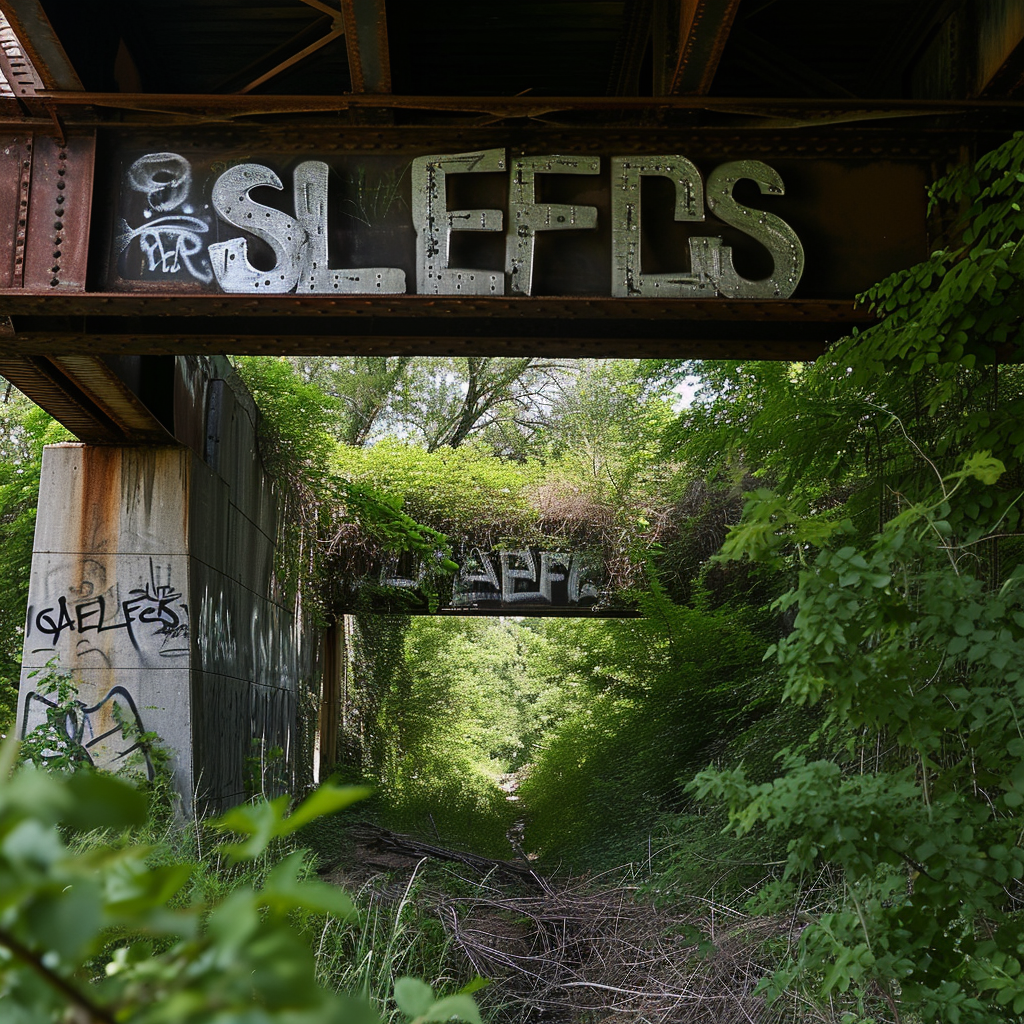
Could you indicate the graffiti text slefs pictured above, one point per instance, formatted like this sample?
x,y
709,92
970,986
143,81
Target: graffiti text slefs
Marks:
x,y
299,243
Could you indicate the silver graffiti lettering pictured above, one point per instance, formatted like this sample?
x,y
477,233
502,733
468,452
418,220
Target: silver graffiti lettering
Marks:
x,y
627,277
173,237
310,180
477,580
526,576
527,216
288,239
772,232
434,223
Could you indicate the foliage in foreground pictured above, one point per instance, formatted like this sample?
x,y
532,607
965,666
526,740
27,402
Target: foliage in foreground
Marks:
x,y
110,932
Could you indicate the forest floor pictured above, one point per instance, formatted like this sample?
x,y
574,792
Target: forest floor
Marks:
x,y
574,949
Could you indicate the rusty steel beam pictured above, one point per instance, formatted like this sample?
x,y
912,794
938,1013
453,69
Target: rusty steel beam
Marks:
x,y
296,58
1008,81
41,45
17,67
906,44
631,49
119,404
366,36
1001,57
242,82
698,346
703,29
189,304
724,329
219,107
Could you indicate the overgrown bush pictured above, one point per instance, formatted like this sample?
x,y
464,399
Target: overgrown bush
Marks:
x,y
655,697
106,927
908,633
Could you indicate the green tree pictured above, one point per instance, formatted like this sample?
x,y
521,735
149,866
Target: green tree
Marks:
x,y
910,636
24,430
363,390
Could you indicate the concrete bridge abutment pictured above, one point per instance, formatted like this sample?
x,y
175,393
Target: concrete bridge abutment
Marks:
x,y
153,586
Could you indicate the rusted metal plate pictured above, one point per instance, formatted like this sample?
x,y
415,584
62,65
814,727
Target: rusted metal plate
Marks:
x,y
15,181
59,213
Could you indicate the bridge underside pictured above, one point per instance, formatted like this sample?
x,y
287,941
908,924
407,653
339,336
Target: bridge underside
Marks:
x,y
423,183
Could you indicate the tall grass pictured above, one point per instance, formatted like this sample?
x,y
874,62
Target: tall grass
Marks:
x,y
394,936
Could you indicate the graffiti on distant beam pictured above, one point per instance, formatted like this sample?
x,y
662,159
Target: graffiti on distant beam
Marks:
x,y
521,577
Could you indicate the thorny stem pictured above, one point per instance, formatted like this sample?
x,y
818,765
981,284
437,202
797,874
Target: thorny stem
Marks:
x,y
66,989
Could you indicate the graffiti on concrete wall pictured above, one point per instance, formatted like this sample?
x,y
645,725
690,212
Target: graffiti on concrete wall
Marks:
x,y
241,634
106,734
91,614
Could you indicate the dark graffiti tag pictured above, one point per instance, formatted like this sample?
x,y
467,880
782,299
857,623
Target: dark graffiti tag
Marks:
x,y
156,606
77,726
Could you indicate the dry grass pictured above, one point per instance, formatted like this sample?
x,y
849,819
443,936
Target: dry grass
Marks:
x,y
584,951
588,950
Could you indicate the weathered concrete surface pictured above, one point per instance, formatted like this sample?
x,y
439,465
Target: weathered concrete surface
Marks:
x,y
153,584
252,655
108,599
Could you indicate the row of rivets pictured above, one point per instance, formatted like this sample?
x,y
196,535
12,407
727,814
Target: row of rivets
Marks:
x,y
58,224
22,232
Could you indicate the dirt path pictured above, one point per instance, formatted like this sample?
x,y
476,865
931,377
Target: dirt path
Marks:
x,y
579,949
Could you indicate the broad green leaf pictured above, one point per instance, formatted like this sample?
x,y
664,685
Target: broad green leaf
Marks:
x,y
413,996
460,1007
100,800
262,822
327,799
982,466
